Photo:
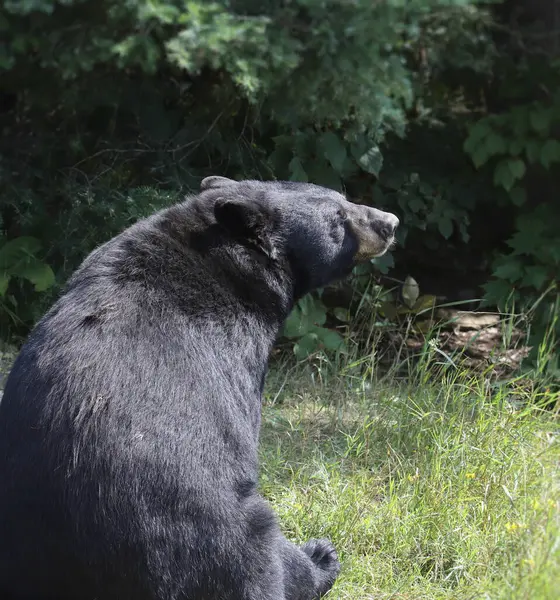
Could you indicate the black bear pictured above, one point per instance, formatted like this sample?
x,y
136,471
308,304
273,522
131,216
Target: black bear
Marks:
x,y
130,421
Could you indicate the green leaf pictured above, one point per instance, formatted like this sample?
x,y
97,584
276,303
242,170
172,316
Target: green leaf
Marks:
x,y
384,263
554,250
497,291
333,150
342,314
306,304
540,120
318,316
507,171
393,180
18,249
293,325
4,282
322,173
306,345
358,146
517,167
525,241
313,312
535,276
38,273
416,204
495,144
389,310
518,196
424,303
533,151
510,270
18,259
297,172
476,135
331,340
479,156
361,270
426,189
550,152
445,227
470,144
372,161
299,322
516,147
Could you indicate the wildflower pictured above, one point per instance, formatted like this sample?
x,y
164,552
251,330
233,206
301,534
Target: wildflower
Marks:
x,y
536,504
513,527
470,475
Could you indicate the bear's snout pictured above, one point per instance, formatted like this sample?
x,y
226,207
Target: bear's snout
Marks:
x,y
374,230
386,226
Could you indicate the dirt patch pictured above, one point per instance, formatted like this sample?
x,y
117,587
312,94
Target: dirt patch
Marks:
x,y
479,338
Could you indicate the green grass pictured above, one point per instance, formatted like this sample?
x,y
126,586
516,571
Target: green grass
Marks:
x,y
440,490
443,488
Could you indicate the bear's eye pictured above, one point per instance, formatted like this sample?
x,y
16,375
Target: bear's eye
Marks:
x,y
342,214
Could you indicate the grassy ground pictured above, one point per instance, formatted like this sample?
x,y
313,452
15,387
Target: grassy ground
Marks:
x,y
447,488
440,490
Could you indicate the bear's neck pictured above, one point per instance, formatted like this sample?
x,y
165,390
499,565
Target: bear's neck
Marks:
x,y
227,283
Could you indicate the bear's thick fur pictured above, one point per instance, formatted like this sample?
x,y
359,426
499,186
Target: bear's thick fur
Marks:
x,y
130,421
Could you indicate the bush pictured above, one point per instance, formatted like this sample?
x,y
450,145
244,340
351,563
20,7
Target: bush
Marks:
x,y
112,109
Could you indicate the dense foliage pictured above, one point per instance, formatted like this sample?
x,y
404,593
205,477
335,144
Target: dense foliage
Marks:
x,y
110,109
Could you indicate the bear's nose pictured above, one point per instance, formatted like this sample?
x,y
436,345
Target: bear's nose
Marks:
x,y
386,227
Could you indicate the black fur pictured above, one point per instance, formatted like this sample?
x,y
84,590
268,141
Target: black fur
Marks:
x,y
130,421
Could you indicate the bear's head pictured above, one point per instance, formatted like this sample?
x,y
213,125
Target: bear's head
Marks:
x,y
315,229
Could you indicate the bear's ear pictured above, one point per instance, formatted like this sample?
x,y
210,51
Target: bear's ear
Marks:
x,y
248,222
215,182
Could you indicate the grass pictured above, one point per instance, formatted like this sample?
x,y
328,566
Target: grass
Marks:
x,y
447,489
